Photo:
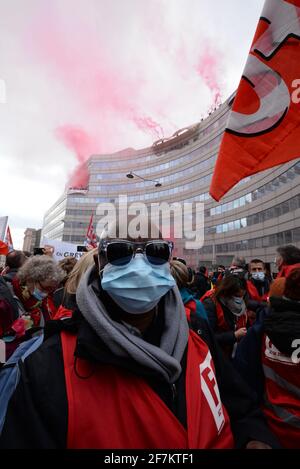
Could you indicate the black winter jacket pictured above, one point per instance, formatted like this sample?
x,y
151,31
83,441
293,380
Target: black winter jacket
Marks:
x,y
37,415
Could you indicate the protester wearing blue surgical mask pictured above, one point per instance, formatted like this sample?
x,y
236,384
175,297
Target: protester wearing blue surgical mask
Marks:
x,y
258,287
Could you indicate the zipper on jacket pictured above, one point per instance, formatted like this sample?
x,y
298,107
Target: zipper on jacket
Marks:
x,y
174,392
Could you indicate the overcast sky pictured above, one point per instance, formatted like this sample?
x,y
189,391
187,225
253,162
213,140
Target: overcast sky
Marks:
x,y
96,76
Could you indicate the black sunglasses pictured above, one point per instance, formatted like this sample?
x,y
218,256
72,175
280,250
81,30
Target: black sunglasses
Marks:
x,y
121,252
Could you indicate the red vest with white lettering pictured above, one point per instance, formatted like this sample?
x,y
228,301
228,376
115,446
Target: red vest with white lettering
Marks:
x,y
109,407
253,293
282,394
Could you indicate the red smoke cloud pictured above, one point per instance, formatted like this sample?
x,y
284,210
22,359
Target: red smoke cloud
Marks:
x,y
83,145
146,124
106,82
209,70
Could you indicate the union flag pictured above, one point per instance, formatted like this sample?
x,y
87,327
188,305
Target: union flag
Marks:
x,y
263,128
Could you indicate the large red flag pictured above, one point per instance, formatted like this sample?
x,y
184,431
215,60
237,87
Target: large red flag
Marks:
x,y
263,129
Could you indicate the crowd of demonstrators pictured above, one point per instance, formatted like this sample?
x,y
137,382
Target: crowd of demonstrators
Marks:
x,y
128,347
269,360
129,327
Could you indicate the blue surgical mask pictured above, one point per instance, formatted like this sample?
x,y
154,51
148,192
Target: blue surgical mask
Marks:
x,y
38,294
258,276
137,286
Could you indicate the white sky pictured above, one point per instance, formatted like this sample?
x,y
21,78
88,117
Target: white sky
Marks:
x,y
105,69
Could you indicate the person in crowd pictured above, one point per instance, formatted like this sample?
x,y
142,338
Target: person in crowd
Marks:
x,y
287,259
126,367
179,259
219,274
227,313
210,279
9,308
67,264
14,260
239,268
31,290
258,287
201,283
269,360
193,306
66,296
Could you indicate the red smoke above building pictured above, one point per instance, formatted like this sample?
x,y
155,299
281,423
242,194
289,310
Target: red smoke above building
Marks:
x,y
115,90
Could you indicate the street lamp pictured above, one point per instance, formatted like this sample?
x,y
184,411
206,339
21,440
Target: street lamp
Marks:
x,y
131,175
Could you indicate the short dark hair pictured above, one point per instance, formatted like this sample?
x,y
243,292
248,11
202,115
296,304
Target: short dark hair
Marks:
x,y
257,261
229,286
290,254
202,269
15,259
222,267
292,282
239,262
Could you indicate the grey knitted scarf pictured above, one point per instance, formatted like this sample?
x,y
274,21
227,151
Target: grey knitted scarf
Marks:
x,y
165,359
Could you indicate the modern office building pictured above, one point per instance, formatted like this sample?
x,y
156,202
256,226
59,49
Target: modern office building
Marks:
x,y
32,239
259,214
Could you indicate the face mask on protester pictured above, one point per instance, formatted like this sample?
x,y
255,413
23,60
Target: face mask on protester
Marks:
x,y
137,286
235,304
38,294
258,276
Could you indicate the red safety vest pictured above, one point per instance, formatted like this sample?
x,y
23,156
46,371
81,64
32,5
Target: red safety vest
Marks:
x,y
282,394
109,407
253,293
